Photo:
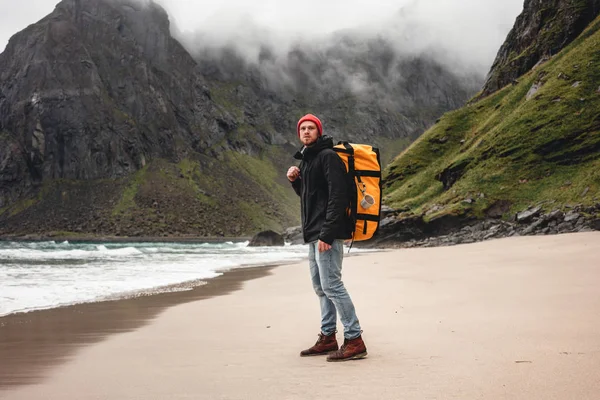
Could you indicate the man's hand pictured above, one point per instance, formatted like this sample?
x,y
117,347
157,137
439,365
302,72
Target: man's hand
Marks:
x,y
323,246
293,173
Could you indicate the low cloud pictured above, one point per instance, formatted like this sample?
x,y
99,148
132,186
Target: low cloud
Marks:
x,y
367,48
468,32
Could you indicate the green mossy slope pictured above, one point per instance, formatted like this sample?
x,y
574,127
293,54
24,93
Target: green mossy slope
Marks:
x,y
517,147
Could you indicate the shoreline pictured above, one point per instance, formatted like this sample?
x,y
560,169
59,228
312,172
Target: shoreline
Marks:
x,y
180,287
174,287
26,358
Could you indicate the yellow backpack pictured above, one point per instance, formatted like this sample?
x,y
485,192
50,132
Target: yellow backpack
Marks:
x,y
364,171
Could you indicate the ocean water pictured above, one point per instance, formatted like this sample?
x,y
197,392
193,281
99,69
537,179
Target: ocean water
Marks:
x,y
42,275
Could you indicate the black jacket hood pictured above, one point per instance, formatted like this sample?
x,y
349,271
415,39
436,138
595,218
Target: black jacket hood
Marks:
x,y
324,142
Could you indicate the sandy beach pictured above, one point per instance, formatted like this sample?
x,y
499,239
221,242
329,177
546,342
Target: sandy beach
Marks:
x,y
515,318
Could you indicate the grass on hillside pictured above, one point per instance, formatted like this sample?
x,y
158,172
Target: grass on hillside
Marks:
x,y
127,201
267,180
245,188
545,149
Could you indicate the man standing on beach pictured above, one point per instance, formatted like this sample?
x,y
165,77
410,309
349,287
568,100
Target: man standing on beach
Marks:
x,y
321,184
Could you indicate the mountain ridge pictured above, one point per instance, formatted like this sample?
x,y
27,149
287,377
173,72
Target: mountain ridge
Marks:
x,y
540,32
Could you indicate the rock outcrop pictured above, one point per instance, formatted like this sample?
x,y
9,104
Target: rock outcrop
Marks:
x,y
543,29
294,235
268,239
396,231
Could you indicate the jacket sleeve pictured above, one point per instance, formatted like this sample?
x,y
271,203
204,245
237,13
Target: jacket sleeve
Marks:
x,y
335,175
297,185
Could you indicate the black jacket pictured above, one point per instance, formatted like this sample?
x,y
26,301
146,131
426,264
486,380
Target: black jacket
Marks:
x,y
323,191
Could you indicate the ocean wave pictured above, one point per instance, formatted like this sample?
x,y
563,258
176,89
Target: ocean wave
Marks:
x,y
126,251
43,298
33,254
54,275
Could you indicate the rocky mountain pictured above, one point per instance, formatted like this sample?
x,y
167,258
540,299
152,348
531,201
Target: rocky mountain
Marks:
x,y
523,160
543,29
362,87
108,126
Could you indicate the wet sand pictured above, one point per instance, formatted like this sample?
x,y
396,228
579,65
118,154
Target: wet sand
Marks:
x,y
34,342
515,318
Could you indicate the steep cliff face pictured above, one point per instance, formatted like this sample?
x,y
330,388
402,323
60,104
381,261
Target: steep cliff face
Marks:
x,y
541,31
93,91
109,126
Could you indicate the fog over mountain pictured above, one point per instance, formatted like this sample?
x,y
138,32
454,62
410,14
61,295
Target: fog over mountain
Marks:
x,y
470,30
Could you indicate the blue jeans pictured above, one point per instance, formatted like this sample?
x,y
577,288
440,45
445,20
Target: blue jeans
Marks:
x,y
326,273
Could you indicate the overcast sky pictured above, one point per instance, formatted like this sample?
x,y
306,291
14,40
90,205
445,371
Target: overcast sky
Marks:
x,y
477,27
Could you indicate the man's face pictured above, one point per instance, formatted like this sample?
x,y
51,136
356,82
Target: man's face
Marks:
x,y
308,133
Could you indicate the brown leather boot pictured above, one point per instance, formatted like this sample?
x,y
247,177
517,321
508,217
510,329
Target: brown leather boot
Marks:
x,y
352,349
324,345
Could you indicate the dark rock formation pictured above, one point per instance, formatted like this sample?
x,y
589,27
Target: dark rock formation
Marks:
x,y
95,90
453,173
527,215
415,232
267,238
543,29
294,235
498,209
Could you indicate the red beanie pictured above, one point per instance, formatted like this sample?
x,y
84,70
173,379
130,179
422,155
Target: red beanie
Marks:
x,y
312,118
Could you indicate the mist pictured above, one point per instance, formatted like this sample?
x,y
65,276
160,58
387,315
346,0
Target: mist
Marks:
x,y
17,15
470,30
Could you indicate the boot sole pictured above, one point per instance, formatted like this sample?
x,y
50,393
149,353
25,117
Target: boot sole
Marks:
x,y
318,354
355,357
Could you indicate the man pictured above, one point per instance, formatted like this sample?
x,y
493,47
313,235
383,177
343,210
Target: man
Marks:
x,y
322,186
